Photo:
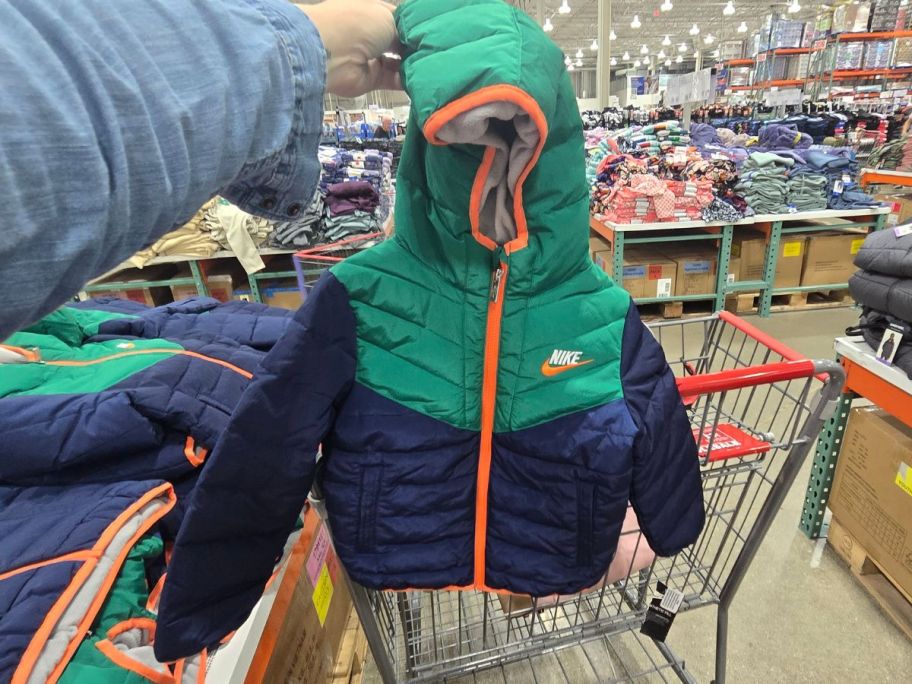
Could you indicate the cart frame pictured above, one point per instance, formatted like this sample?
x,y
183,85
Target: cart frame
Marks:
x,y
740,379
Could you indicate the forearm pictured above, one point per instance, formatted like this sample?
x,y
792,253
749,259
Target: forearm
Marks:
x,y
119,119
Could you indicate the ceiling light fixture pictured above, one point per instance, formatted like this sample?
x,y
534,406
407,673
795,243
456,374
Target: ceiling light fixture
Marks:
x,y
666,40
570,66
644,50
635,24
694,30
613,61
661,54
682,47
564,8
547,27
709,39
729,8
794,7
679,59
579,53
636,64
594,45
626,56
612,35
666,6
742,27
668,62
567,60
579,62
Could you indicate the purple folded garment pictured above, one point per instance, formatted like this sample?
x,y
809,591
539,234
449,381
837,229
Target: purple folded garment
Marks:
x,y
783,136
351,196
703,134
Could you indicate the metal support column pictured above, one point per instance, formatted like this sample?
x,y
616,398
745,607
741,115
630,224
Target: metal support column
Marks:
x,y
617,257
602,62
821,481
769,270
198,278
725,248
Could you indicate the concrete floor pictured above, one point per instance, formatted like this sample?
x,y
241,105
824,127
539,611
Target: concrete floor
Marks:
x,y
799,616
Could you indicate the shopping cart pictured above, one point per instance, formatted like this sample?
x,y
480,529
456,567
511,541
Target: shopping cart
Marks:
x,y
756,408
312,262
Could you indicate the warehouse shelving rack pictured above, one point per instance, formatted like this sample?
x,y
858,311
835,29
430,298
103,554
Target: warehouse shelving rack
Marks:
x,y
775,226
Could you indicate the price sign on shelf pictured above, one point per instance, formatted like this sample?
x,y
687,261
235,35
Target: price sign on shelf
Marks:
x,y
761,57
783,96
819,44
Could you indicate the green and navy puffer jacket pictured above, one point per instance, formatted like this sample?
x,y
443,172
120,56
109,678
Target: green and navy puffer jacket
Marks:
x,y
487,400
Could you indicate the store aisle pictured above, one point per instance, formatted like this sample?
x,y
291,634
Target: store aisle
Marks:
x,y
799,617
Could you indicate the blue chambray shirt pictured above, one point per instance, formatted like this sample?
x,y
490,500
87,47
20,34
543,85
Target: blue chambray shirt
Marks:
x,y
119,119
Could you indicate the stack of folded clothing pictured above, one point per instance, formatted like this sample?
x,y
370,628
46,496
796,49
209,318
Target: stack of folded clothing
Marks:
x,y
302,231
807,191
883,287
235,229
644,198
189,240
690,198
371,166
764,183
350,210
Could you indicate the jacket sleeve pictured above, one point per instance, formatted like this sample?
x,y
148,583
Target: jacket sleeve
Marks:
x,y
120,119
256,481
666,490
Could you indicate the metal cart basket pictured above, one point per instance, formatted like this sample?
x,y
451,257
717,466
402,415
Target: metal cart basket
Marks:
x,y
756,408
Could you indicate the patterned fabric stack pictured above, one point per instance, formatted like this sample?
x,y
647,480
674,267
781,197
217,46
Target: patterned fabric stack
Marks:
x,y
644,198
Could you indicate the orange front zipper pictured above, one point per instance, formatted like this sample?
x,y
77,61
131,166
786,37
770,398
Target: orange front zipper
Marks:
x,y
176,352
488,401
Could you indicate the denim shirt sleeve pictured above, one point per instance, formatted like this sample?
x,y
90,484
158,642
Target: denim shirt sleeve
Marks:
x,y
119,119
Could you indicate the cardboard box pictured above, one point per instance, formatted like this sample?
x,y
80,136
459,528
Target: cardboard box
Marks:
x,y
314,616
598,244
829,258
282,296
141,294
790,262
900,208
872,490
748,255
221,287
648,274
696,269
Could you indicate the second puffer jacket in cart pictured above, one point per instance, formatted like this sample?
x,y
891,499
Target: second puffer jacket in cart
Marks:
x,y
487,400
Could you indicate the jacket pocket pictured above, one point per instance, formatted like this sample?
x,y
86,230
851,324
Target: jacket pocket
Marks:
x,y
367,507
585,522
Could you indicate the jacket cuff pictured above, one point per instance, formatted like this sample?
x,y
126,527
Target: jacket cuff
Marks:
x,y
281,186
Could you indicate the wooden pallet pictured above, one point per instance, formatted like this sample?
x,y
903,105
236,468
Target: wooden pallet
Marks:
x,y
891,598
749,302
665,310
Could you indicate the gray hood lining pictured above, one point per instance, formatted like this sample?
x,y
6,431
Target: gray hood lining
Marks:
x,y
510,131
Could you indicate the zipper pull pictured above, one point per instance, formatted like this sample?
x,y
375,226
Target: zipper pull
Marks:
x,y
496,277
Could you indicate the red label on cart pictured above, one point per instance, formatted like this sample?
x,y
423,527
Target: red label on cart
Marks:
x,y
727,441
655,271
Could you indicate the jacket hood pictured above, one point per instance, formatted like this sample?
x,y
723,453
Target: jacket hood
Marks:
x,y
493,160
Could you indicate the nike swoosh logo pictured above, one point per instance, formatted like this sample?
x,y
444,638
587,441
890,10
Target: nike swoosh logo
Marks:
x,y
549,371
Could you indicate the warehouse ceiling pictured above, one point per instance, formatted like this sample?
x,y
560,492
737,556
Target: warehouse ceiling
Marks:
x,y
576,30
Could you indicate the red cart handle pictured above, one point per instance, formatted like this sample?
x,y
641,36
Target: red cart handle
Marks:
x,y
751,376
770,343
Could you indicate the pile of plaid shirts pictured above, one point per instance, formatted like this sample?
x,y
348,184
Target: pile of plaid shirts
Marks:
x,y
644,198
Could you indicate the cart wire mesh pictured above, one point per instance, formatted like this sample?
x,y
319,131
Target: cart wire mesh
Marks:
x,y
755,407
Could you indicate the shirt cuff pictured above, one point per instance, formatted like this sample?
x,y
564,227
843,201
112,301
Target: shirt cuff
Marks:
x,y
282,186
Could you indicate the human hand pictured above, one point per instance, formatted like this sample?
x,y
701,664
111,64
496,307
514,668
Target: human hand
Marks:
x,y
355,35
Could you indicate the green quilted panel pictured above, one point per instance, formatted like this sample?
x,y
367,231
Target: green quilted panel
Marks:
x,y
421,299
103,364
